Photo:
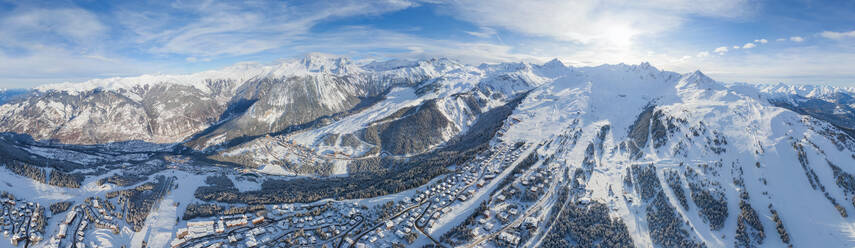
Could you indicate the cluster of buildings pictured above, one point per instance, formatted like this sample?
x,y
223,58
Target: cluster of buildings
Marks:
x,y
297,153
278,226
333,222
338,222
438,199
480,172
206,228
509,238
535,181
93,214
19,222
504,216
400,230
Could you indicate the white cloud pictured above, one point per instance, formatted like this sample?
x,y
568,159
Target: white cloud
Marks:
x,y
41,45
396,44
607,22
53,43
837,35
63,44
28,30
239,28
69,23
797,64
192,59
484,32
53,65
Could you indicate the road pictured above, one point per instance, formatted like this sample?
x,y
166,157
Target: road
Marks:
x,y
541,235
382,222
537,205
341,239
435,242
418,227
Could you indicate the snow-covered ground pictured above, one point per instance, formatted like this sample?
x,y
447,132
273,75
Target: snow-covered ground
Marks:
x,y
592,126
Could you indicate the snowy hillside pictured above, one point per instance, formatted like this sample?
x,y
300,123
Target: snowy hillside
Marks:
x,y
692,162
325,151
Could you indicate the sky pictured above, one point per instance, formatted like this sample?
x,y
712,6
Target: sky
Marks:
x,y
789,41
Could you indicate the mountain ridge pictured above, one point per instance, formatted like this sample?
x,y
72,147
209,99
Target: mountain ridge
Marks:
x,y
537,155
224,87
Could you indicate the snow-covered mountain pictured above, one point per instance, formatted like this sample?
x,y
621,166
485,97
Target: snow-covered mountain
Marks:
x,y
534,155
832,104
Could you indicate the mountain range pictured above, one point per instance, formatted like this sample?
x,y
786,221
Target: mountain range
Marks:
x,y
610,155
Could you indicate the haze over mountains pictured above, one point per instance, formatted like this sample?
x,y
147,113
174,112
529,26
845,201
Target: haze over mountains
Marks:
x,y
495,155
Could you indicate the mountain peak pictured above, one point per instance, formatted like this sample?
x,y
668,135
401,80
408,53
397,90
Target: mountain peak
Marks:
x,y
698,79
780,90
323,63
391,64
645,67
555,62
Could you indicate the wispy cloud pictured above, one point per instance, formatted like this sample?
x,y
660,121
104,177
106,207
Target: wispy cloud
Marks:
x,y
40,43
396,44
800,64
614,22
484,32
239,28
61,41
838,35
65,25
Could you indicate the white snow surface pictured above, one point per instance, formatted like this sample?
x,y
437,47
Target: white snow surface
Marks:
x,y
313,64
564,100
241,72
756,132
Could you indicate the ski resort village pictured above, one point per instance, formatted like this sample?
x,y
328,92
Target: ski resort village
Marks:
x,y
327,152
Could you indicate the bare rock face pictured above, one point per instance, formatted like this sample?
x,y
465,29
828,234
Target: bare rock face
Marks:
x,y
209,108
276,104
160,113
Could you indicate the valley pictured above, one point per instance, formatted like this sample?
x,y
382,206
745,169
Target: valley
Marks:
x,y
328,152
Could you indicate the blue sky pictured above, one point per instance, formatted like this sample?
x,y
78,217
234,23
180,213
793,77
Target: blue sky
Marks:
x,y
798,41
